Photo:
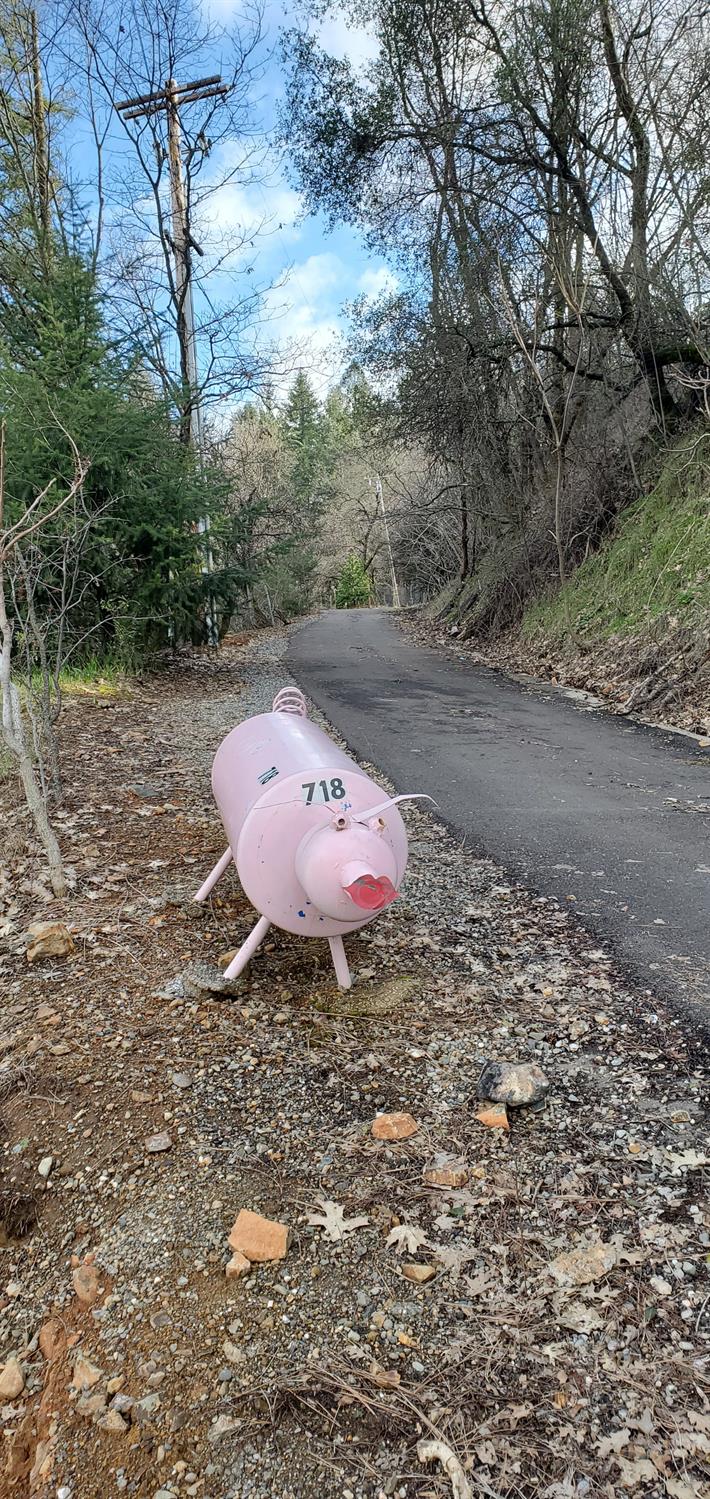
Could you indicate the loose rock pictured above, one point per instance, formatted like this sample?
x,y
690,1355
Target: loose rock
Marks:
x,y
259,1239
238,1265
48,939
419,1274
114,1423
581,1266
12,1380
495,1117
52,1339
122,1403
42,1466
144,1410
233,1354
45,1166
394,1127
447,1176
85,1374
91,1405
512,1083
86,1283
157,1143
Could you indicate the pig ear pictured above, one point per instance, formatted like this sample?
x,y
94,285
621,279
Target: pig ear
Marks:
x,y
370,893
404,796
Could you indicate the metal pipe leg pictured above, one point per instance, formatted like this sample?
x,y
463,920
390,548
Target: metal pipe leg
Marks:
x,y
247,949
216,874
340,962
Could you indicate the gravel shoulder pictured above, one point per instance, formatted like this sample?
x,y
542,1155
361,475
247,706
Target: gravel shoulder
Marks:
x,y
560,1346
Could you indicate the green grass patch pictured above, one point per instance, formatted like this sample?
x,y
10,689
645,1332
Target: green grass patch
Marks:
x,y
7,764
94,677
656,563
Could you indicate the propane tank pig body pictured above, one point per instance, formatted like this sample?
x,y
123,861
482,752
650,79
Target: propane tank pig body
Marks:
x,y
319,847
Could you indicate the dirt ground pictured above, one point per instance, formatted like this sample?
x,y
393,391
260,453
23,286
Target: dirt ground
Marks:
x,y
560,1347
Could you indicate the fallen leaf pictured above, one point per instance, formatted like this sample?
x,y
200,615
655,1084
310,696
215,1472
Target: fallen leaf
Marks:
x,y
633,1473
580,1318
454,1258
685,1160
405,1341
333,1221
486,1454
406,1238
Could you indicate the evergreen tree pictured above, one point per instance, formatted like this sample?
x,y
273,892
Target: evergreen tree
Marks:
x,y
354,589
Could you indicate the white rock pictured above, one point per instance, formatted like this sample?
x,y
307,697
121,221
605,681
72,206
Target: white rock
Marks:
x,y
12,1380
45,1166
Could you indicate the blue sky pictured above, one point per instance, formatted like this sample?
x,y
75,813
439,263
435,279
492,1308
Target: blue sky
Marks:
x,y
324,270
313,272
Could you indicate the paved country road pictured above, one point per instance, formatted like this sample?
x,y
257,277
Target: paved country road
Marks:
x,y
571,800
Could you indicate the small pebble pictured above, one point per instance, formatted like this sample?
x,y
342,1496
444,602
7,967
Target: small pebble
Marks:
x,y
157,1143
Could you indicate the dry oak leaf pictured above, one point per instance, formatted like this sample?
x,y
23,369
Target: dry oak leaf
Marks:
x,y
333,1221
634,1473
406,1238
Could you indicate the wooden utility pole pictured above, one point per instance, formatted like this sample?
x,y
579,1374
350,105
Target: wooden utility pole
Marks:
x,y
169,99
395,586
39,131
183,261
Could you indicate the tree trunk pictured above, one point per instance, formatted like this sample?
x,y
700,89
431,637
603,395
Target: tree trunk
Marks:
x,y
465,556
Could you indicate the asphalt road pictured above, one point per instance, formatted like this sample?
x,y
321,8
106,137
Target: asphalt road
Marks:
x,y
609,816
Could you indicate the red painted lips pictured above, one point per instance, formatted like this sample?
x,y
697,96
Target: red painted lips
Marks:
x,y
370,893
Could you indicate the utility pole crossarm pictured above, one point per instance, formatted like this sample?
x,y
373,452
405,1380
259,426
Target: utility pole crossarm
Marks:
x,y
185,88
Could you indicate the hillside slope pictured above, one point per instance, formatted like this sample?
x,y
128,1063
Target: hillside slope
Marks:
x,y
633,622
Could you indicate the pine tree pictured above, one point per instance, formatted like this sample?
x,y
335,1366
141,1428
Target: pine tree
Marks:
x,y
354,590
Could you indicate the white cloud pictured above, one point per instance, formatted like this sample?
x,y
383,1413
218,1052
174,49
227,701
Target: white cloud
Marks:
x,y
376,280
252,209
335,35
304,317
343,41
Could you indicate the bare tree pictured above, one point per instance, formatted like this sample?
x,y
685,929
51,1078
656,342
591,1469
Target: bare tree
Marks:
x,y
147,50
29,712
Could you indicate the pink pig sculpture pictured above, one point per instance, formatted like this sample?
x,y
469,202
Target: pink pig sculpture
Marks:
x,y
318,846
